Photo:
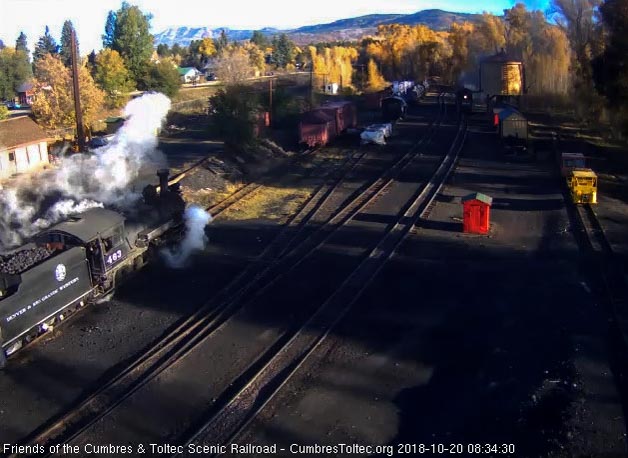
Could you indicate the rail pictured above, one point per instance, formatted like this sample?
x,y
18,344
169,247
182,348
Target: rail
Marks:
x,y
285,254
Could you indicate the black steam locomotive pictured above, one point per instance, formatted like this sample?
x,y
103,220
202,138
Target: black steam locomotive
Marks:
x,y
78,260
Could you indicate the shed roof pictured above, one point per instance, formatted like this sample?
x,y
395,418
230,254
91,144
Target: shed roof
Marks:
x,y
21,130
184,70
88,225
478,196
500,57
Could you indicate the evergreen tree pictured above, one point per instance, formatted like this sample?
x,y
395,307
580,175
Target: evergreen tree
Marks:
x,y
163,50
46,45
283,51
260,39
65,51
222,42
110,27
132,39
21,44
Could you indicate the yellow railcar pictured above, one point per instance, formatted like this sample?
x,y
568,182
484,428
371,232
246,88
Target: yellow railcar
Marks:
x,y
582,185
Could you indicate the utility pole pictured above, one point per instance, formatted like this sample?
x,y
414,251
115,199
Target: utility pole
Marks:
x,y
270,102
80,132
312,85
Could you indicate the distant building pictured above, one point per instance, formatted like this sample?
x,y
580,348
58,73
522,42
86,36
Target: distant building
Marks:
x,y
23,146
25,92
189,74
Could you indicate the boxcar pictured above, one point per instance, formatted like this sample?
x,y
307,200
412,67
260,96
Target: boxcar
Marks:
x,y
316,128
344,114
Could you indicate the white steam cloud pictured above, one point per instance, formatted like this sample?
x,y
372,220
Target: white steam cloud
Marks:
x,y
82,181
195,239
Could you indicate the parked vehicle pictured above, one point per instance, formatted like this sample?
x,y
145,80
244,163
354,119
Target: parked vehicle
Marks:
x,y
582,185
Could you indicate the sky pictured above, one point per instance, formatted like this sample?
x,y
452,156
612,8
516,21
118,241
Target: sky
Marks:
x,y
89,16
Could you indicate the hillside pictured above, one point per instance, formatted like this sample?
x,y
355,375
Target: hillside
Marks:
x,y
343,29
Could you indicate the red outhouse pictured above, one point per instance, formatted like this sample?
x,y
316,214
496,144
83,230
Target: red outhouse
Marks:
x,y
476,213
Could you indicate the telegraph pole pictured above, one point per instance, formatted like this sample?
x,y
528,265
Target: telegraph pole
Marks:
x,y
270,102
80,132
312,85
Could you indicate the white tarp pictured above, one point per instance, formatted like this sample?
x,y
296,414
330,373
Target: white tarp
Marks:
x,y
376,133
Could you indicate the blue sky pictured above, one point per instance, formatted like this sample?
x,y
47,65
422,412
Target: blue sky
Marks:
x,y
88,16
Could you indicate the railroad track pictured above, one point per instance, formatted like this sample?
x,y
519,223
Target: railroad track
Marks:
x,y
241,407
285,253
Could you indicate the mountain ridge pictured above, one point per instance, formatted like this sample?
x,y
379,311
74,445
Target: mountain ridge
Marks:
x,y
341,29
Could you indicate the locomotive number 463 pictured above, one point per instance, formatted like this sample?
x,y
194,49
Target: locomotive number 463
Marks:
x,y
114,257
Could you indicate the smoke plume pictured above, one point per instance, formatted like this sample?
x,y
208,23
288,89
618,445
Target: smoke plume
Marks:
x,y
82,181
195,239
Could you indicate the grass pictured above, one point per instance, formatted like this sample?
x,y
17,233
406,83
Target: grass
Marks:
x,y
207,197
187,94
268,203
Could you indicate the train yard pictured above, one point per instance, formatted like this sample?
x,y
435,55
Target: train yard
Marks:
x,y
366,317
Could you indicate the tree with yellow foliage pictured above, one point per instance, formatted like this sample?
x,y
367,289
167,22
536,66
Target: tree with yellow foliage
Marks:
x,y
53,102
113,77
375,81
333,65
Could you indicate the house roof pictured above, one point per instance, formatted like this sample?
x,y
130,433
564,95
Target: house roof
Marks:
x,y
185,70
21,130
478,196
25,87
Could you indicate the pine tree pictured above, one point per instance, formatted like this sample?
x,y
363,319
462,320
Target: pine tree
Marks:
x,y
46,45
222,42
65,51
110,30
21,44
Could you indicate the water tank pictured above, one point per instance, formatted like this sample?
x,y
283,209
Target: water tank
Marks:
x,y
501,75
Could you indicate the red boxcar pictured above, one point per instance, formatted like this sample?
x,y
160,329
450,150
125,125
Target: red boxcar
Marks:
x,y
373,100
345,114
316,128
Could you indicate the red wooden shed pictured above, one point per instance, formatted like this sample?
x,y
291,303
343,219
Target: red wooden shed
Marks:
x,y
476,213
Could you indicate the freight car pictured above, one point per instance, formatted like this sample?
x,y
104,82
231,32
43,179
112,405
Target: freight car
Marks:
x,y
321,125
78,260
393,108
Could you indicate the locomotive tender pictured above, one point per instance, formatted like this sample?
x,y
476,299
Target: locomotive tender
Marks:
x,y
78,260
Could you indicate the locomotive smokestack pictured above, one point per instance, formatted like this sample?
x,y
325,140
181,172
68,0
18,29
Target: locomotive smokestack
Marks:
x,y
163,175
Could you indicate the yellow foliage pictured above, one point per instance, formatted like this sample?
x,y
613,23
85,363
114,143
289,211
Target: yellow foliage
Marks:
x,y
53,101
375,81
334,65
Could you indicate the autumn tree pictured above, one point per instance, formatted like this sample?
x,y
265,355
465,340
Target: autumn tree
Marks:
x,y
4,112
375,81
65,49
257,57
53,103
112,77
333,65
234,65
127,31
45,45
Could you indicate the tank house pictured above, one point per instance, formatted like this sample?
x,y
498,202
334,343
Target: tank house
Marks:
x,y
23,146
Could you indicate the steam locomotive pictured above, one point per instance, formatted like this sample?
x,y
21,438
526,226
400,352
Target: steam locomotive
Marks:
x,y
79,260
